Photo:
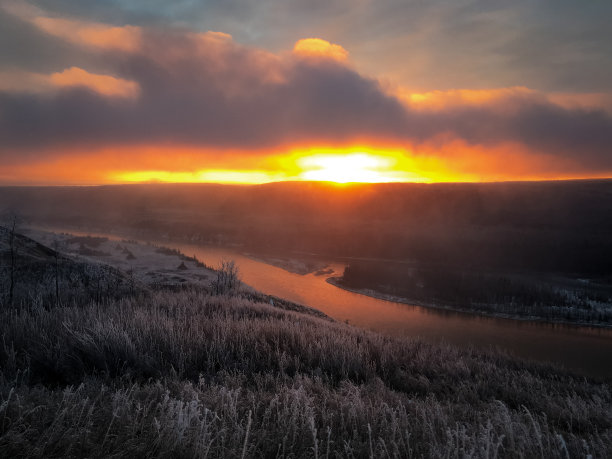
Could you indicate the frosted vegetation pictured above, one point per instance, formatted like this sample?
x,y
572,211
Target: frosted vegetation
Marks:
x,y
154,370
191,374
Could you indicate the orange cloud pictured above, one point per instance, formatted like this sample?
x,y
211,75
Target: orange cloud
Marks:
x,y
504,98
454,159
126,38
87,165
214,36
319,48
442,100
104,84
85,33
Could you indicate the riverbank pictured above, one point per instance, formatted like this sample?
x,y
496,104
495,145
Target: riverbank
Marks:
x,y
496,315
292,265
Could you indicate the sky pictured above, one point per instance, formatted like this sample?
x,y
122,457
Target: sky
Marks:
x,y
251,91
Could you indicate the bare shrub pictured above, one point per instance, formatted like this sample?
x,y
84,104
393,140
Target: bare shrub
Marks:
x,y
227,279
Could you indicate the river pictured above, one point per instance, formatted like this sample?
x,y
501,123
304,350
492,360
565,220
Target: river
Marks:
x,y
586,350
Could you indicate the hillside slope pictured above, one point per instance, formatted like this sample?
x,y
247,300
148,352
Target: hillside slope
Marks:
x,y
191,375
44,276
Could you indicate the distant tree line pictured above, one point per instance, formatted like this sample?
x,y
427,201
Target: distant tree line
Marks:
x,y
515,294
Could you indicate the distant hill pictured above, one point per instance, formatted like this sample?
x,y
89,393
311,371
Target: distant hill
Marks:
x,y
559,226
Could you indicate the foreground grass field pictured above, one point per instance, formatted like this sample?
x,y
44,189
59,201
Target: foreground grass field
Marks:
x,y
188,374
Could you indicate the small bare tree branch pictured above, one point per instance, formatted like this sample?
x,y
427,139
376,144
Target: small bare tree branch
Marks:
x,y
13,259
227,280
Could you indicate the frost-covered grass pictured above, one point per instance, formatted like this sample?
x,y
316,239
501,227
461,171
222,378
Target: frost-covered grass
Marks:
x,y
191,375
151,265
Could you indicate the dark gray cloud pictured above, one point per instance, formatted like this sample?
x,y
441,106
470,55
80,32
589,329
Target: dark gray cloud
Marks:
x,y
25,47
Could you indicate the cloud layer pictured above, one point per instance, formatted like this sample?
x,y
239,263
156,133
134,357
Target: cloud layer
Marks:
x,y
121,85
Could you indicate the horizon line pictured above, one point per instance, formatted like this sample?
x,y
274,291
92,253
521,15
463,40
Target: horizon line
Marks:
x,y
322,182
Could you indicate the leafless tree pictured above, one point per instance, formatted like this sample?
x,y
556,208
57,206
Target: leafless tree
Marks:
x,y
12,258
227,280
57,256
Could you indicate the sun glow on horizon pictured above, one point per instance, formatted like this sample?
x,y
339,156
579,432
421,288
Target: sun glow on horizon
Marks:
x,y
338,165
202,176
357,163
357,167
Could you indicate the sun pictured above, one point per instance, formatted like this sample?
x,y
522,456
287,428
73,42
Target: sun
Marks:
x,y
355,167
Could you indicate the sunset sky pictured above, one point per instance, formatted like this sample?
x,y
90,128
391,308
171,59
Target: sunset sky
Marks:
x,y
252,91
